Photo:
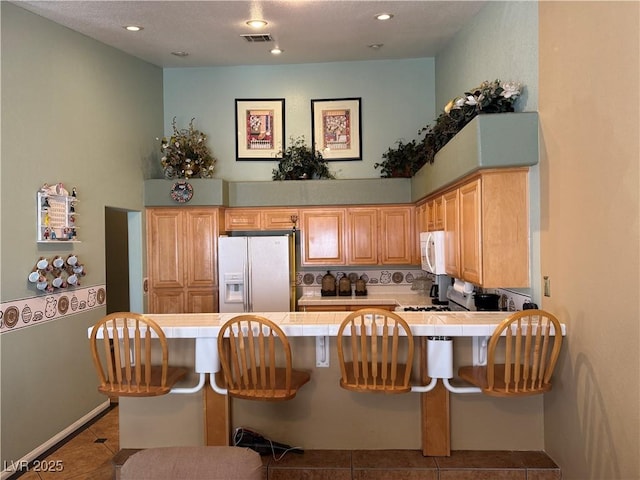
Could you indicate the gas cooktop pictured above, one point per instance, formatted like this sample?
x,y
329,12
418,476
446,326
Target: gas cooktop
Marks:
x,y
429,308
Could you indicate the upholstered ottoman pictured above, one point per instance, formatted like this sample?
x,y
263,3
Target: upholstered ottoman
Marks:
x,y
193,463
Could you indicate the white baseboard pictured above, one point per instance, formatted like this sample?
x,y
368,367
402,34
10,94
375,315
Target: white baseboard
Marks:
x,y
35,453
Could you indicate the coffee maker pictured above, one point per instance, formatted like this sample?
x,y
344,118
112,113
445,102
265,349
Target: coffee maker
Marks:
x,y
438,291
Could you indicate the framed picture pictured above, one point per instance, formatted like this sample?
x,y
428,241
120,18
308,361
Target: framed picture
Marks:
x,y
335,128
259,128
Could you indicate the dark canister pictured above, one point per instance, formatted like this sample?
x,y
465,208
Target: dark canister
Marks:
x,y
361,287
344,286
328,285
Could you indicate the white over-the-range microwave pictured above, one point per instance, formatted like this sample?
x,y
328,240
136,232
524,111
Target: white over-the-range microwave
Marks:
x,y
432,252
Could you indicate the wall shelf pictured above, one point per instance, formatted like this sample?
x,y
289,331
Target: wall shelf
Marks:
x,y
56,218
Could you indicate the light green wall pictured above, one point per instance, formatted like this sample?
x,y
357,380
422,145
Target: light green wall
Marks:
x,y
501,42
77,112
397,99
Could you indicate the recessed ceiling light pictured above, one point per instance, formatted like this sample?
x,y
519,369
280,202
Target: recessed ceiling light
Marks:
x,y
133,28
276,51
376,46
257,23
384,16
180,54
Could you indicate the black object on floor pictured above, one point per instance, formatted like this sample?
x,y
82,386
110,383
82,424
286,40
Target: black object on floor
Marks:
x,y
243,437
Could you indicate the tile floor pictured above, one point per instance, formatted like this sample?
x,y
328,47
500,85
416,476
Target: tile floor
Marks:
x,y
94,454
87,455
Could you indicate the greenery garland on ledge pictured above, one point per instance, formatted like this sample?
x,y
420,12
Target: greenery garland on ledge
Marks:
x,y
299,162
408,157
186,154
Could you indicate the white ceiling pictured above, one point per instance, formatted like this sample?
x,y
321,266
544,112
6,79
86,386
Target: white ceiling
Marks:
x,y
309,31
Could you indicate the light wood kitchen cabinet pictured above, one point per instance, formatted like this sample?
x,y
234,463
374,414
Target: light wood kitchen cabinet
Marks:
x,y
362,231
487,229
242,219
249,219
437,213
427,223
181,259
279,218
323,236
429,215
451,225
470,232
422,217
368,235
398,240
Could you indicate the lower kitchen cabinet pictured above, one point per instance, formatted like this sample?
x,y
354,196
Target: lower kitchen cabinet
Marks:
x,y
182,258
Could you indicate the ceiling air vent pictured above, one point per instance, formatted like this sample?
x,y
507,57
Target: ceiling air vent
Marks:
x,y
265,37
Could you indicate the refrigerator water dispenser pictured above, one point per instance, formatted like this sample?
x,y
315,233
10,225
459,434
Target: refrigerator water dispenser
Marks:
x,y
233,288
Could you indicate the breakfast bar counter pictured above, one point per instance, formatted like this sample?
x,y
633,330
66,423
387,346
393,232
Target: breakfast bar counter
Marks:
x,y
433,406
311,324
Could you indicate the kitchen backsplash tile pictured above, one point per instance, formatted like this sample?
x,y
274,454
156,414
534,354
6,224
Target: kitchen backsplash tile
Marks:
x,y
383,277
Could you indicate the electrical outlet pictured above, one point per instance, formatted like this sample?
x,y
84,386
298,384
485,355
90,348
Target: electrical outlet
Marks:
x,y
322,351
547,286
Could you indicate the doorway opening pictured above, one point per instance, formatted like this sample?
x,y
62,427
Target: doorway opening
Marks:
x,y
123,260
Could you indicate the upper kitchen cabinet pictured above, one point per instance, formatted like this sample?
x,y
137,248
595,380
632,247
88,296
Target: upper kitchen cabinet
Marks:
x,y
181,259
451,223
368,235
244,219
398,239
362,228
323,236
250,219
486,221
470,211
429,215
436,214
422,216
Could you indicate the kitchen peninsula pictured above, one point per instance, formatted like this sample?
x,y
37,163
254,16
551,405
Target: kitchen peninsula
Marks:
x,y
322,416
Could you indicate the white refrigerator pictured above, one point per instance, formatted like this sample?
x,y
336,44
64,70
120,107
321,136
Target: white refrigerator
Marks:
x,y
255,273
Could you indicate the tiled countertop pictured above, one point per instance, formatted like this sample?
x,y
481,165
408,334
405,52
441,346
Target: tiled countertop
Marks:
x,y
207,325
